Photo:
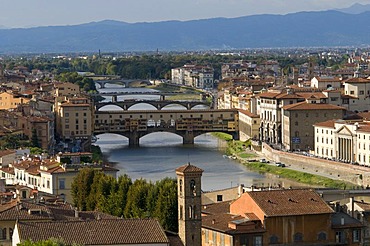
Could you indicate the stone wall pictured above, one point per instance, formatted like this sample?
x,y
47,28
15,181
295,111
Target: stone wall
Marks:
x,y
351,173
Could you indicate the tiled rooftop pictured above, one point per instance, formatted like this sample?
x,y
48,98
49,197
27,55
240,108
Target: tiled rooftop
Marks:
x,y
188,168
97,232
290,202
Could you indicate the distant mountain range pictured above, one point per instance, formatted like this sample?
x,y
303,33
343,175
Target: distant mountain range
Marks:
x,y
356,8
303,29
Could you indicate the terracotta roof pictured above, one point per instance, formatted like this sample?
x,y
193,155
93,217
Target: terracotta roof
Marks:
x,y
312,106
248,113
363,205
216,216
9,170
290,202
364,127
188,168
328,79
96,232
20,211
6,152
328,124
364,115
357,80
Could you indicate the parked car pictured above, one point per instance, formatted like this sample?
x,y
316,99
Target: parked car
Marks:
x,y
279,164
263,160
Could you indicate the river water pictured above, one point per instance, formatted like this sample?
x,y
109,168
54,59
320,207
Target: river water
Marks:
x,y
160,154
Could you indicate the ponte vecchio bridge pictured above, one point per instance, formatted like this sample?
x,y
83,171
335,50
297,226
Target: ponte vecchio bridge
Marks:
x,y
186,123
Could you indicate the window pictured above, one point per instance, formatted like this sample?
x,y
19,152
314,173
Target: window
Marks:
x,y
193,187
356,236
62,184
257,241
274,239
180,186
352,92
222,240
66,114
219,198
3,233
298,237
243,240
362,92
181,212
339,237
76,114
321,236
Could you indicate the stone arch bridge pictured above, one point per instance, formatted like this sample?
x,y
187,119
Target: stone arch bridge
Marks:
x,y
125,105
186,123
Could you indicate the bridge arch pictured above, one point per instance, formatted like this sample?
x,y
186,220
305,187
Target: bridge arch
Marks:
x,y
109,107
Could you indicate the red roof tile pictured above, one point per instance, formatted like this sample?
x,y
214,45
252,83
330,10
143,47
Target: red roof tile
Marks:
x,y
290,202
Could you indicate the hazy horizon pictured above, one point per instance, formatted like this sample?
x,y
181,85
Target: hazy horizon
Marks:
x,y
21,14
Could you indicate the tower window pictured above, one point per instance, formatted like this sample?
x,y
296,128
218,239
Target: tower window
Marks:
x,y
193,187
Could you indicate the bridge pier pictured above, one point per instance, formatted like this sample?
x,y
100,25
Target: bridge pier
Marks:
x,y
133,139
188,138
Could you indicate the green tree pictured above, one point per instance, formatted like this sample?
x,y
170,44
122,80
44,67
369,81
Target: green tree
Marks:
x,y
81,187
136,200
166,207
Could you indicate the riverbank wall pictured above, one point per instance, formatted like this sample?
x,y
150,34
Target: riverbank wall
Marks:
x,y
350,173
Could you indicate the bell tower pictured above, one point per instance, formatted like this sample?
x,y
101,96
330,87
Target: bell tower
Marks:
x,y
189,179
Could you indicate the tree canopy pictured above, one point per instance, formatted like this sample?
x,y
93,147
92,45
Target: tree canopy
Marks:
x,y
94,190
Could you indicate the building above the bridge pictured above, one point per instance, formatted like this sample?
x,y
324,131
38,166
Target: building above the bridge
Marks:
x,y
74,119
193,76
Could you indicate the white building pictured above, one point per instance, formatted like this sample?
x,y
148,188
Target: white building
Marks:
x,y
346,141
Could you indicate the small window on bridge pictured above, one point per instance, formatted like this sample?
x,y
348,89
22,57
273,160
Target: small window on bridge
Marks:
x,y
110,116
211,115
170,115
201,116
120,116
151,116
130,116
161,116
96,116
191,116
141,116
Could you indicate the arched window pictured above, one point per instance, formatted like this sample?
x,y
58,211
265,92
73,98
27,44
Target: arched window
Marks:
x,y
3,236
10,233
274,239
180,186
298,237
193,187
321,236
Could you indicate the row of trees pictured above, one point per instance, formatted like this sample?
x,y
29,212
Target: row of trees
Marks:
x,y
93,190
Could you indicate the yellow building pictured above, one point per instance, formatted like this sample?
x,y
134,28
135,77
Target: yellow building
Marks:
x,y
66,89
74,119
249,125
9,100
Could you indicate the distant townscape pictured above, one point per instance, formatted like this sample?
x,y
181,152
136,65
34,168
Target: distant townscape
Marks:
x,y
296,110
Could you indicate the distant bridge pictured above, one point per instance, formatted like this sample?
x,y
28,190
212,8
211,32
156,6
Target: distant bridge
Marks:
x,y
330,195
125,82
126,104
186,123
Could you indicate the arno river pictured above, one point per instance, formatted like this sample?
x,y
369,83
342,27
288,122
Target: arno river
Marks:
x,y
160,154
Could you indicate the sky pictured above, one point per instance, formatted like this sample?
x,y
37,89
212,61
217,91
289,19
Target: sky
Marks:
x,y
26,13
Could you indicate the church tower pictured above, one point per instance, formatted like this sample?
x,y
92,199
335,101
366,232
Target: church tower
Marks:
x,y
189,179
